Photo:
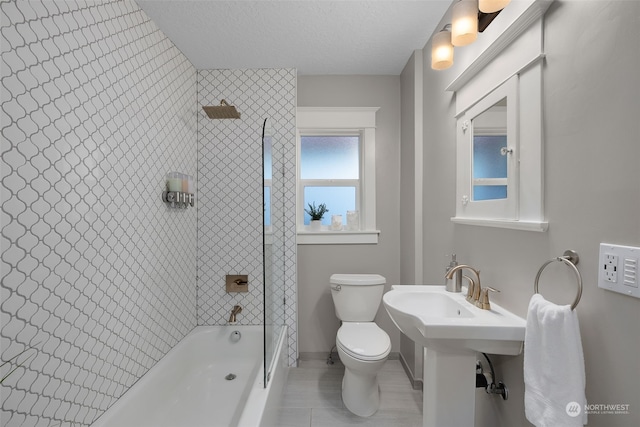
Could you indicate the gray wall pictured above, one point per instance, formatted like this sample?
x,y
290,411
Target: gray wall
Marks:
x,y
407,174
316,316
592,195
411,172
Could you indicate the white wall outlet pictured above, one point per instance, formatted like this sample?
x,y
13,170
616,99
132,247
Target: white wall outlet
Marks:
x,y
610,267
618,269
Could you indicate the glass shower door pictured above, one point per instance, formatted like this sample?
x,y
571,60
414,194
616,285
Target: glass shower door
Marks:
x,y
273,242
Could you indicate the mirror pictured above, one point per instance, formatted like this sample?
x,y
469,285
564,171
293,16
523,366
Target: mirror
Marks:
x,y
489,153
487,146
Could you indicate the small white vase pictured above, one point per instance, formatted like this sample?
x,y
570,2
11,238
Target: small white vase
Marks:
x,y
336,222
315,225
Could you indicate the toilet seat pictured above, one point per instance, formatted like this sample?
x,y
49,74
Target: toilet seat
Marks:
x,y
363,340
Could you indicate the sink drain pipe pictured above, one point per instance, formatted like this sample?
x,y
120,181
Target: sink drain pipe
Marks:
x,y
487,380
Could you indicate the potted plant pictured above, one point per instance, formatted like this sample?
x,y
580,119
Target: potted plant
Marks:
x,y
316,214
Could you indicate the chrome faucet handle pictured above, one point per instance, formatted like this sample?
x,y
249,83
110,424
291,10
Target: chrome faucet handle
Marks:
x,y
483,302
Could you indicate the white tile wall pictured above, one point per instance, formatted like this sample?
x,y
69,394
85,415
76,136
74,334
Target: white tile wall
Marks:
x,y
98,275
230,194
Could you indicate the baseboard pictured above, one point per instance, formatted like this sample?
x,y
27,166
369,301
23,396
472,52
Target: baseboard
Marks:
x,y
416,384
317,355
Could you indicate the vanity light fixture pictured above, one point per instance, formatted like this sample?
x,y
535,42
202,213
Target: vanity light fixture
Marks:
x,y
442,49
490,6
464,25
468,18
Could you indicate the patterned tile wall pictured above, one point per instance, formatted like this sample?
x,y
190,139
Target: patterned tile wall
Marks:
x,y
230,194
98,275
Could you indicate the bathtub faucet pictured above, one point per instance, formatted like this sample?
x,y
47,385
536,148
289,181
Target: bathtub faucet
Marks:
x,y
236,310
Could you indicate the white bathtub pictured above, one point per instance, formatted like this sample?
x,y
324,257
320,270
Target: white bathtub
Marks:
x,y
187,388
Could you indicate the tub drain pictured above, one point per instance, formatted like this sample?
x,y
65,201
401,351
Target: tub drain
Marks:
x,y
230,377
235,336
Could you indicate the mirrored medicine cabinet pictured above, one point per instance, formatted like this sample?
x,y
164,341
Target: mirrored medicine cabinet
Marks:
x,y
487,155
499,146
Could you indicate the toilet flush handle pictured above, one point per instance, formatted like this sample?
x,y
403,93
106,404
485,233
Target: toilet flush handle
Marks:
x,y
336,288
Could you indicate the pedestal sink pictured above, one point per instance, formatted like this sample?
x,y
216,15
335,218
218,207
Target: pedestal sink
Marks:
x,y
452,330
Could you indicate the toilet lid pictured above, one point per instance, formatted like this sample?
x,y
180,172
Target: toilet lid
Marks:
x,y
363,340
357,279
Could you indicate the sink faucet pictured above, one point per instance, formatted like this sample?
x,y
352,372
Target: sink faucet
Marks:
x,y
236,310
473,292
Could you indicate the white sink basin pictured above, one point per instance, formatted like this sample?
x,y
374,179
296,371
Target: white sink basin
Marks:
x,y
452,330
445,321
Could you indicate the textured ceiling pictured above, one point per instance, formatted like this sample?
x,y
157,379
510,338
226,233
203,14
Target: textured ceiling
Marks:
x,y
314,36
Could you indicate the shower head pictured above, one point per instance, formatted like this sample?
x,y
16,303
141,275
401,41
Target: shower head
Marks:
x,y
222,111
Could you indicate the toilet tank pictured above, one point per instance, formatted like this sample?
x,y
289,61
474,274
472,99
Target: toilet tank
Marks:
x,y
356,297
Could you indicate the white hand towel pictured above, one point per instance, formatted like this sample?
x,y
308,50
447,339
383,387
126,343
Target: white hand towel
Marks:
x,y
554,375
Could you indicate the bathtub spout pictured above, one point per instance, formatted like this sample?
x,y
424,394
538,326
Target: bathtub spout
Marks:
x,y
236,310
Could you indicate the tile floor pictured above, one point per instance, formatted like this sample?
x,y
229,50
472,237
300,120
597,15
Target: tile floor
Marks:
x,y
312,398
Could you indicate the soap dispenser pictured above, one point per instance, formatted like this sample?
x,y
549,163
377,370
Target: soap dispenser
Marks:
x,y
455,284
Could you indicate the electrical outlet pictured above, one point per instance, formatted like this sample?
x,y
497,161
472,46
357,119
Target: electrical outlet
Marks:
x,y
618,269
610,267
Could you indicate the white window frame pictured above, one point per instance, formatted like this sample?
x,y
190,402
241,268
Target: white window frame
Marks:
x,y
342,121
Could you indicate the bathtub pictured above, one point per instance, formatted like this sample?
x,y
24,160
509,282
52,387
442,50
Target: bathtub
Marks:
x,y
187,387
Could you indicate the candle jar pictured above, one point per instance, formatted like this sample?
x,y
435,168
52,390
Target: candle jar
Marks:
x,y
336,222
353,220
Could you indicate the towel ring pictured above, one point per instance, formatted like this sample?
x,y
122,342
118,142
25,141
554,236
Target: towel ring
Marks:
x,y
570,258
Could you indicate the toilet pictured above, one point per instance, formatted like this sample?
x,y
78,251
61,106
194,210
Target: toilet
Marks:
x,y
362,345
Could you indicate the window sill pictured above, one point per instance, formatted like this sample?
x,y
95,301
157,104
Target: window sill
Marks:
x,y
328,237
540,226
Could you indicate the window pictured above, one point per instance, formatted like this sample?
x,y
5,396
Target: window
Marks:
x,y
336,167
330,173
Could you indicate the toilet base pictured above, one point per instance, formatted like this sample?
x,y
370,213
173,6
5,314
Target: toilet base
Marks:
x,y
360,390
360,393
